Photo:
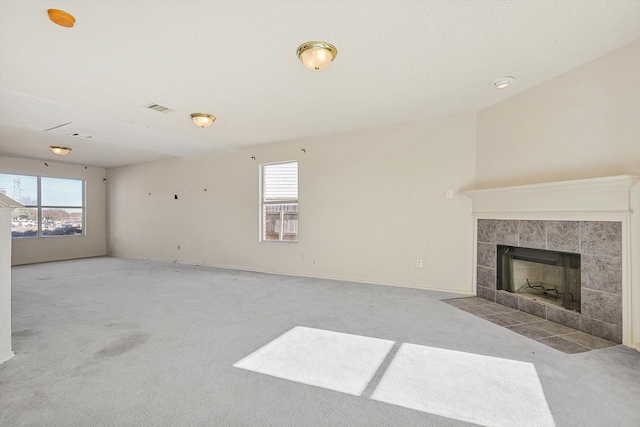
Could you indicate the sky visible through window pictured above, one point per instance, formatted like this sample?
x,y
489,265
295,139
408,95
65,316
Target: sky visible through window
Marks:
x,y
25,191
61,192
55,191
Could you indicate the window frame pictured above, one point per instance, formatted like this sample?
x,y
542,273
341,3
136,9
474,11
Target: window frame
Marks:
x,y
40,207
262,203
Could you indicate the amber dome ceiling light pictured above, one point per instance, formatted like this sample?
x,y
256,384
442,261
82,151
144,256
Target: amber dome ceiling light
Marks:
x,y
61,18
317,56
59,151
202,120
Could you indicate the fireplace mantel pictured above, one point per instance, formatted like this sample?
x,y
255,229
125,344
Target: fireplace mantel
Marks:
x,y
613,198
594,197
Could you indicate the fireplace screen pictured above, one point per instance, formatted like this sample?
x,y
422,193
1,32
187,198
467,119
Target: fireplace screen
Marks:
x,y
547,276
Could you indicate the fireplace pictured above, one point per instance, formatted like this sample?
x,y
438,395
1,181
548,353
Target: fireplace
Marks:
x,y
598,218
596,247
551,277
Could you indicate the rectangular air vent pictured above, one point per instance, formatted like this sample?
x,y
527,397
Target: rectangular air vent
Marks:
x,y
159,108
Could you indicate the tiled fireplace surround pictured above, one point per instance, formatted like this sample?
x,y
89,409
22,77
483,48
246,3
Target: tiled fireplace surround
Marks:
x,y
599,244
599,218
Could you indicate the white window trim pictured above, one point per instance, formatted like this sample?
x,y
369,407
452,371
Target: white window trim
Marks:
x,y
40,207
261,201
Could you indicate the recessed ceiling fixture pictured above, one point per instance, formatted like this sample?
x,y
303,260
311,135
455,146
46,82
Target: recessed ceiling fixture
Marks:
x,y
60,151
61,18
203,120
502,82
317,56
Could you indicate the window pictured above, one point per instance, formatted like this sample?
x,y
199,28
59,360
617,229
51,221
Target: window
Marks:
x,y
54,206
279,202
23,189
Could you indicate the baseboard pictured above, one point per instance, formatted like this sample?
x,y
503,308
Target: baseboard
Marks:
x,y
312,276
6,356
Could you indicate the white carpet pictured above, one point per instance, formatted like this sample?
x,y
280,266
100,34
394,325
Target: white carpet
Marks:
x,y
331,360
469,387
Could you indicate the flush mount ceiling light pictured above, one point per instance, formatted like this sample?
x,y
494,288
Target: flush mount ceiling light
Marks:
x,y
202,120
61,18
60,151
502,82
317,56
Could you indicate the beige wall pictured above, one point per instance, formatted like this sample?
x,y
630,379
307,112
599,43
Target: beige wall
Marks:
x,y
371,204
582,124
32,250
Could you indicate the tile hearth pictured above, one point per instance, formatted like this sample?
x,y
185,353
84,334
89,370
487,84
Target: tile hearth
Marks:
x,y
559,337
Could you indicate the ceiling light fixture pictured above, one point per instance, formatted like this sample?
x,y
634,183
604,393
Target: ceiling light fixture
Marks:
x,y
61,18
502,82
317,56
202,120
60,151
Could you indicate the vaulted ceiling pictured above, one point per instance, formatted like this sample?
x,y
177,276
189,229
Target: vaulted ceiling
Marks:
x,y
398,61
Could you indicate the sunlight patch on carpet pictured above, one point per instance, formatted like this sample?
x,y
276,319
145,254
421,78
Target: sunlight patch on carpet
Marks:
x,y
331,360
484,390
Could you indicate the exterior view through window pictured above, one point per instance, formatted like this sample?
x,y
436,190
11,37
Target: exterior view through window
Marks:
x,y
53,206
280,202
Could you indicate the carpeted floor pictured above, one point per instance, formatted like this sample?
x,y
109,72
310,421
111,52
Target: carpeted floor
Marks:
x,y
117,342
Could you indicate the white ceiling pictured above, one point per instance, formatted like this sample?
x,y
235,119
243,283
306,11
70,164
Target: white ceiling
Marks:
x,y
398,61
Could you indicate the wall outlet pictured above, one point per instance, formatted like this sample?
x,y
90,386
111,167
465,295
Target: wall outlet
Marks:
x,y
418,263
449,194
303,256
179,247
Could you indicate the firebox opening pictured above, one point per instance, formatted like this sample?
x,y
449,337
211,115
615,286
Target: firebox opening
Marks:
x,y
551,277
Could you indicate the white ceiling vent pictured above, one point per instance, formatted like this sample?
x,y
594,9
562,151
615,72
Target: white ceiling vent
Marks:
x,y
159,108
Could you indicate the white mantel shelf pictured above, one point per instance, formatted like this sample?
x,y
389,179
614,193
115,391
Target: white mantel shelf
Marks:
x,y
611,198
606,198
